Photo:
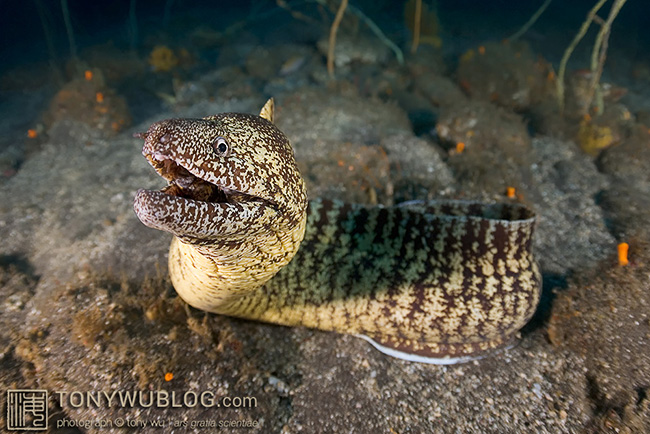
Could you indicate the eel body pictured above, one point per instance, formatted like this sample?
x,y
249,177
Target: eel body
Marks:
x,y
436,282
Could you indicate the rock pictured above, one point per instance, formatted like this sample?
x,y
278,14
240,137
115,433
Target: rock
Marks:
x,y
88,99
571,233
627,202
359,48
604,317
507,74
495,145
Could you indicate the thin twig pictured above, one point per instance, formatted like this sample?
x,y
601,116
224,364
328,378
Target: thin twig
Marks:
x,y
377,31
296,14
530,22
594,86
559,83
332,40
68,28
49,40
417,22
374,28
598,56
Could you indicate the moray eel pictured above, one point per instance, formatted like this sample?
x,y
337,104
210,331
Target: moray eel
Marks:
x,y
436,282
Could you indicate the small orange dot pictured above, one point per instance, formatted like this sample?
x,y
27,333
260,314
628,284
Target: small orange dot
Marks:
x,y
510,192
481,49
622,254
100,97
88,74
587,117
550,76
460,147
169,376
32,134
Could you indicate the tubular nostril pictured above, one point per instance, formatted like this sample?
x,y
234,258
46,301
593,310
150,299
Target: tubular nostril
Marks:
x,y
165,138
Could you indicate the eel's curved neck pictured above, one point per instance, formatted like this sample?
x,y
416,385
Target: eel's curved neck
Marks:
x,y
214,277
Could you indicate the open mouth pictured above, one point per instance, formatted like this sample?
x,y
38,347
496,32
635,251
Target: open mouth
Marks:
x,y
192,207
184,184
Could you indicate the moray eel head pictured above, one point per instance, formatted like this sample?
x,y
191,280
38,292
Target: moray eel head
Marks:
x,y
222,171
235,201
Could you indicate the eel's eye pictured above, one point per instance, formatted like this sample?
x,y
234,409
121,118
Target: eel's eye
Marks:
x,y
220,146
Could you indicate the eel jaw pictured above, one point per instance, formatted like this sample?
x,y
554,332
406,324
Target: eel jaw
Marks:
x,y
182,207
183,181
183,184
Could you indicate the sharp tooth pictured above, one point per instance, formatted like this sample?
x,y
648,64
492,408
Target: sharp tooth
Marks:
x,y
184,182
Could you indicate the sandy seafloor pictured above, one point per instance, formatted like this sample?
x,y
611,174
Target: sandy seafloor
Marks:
x,y
86,304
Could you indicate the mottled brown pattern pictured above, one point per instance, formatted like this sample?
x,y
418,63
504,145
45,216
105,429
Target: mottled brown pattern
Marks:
x,y
438,281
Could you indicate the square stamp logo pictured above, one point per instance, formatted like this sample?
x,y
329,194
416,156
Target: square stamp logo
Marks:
x,y
26,409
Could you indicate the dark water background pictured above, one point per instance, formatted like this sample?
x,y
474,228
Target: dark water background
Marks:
x,y
463,22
